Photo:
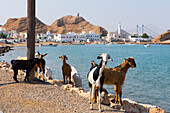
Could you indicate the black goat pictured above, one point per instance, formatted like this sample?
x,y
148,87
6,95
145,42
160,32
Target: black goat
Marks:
x,y
41,65
27,65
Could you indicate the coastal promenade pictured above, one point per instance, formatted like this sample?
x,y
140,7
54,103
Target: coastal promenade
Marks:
x,y
40,97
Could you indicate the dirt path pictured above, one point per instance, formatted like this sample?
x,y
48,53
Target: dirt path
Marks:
x,y
40,97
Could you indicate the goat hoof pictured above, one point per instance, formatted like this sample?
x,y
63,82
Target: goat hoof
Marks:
x,y
16,80
100,110
121,109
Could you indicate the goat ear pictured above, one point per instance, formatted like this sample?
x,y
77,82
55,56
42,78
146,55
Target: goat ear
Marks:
x,y
60,57
99,57
125,59
99,54
44,55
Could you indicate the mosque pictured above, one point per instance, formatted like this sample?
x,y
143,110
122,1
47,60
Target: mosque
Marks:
x,y
118,35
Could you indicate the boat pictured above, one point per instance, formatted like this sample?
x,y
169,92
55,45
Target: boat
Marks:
x,y
146,45
54,45
78,44
87,43
50,45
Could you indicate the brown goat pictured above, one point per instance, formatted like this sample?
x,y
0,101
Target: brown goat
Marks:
x,y
116,76
66,69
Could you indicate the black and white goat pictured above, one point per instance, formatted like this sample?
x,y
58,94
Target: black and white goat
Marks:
x,y
41,66
96,78
27,65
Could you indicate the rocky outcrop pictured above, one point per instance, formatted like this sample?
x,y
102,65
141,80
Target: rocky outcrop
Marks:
x,y
134,107
4,49
74,24
162,37
63,25
20,25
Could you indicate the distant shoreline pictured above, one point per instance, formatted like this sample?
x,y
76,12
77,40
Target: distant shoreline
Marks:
x,y
6,47
24,44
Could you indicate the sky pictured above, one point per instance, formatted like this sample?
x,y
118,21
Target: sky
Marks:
x,y
153,14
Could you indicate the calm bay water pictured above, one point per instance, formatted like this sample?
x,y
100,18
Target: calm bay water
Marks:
x,y
148,83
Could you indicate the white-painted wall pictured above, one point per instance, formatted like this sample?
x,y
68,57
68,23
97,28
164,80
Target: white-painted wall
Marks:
x,y
71,36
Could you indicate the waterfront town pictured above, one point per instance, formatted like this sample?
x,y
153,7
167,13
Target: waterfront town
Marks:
x,y
119,35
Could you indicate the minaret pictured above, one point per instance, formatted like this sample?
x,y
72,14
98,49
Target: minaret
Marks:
x,y
119,29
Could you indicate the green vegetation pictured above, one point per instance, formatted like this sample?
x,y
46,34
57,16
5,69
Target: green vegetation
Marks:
x,y
3,35
102,35
135,36
145,35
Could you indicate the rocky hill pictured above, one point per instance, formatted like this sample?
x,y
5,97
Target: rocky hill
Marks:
x,y
162,37
74,24
63,25
20,25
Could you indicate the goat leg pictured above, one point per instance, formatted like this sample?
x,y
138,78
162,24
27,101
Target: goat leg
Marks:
x,y
120,98
15,75
116,90
64,79
69,78
99,98
95,96
27,75
43,74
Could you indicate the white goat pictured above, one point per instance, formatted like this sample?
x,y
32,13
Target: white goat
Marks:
x,y
48,73
75,77
96,78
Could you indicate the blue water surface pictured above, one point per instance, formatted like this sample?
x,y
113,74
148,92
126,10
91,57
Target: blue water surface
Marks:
x,y
148,83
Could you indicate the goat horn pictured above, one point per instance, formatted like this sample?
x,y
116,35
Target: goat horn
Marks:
x,y
99,54
45,54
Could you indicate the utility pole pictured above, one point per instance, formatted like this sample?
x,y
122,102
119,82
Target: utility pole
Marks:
x,y
137,29
31,32
142,29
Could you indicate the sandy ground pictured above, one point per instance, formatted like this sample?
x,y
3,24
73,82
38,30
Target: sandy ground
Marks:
x,y
41,97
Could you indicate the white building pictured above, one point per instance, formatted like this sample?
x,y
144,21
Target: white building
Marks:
x,y
71,36
3,30
23,34
46,36
140,39
91,36
118,35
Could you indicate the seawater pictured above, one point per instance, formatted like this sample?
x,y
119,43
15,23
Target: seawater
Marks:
x,y
148,83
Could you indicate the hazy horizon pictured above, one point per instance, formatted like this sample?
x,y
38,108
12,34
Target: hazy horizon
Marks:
x,y
108,14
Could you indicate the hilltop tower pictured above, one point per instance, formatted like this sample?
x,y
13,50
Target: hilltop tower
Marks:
x,y
119,29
